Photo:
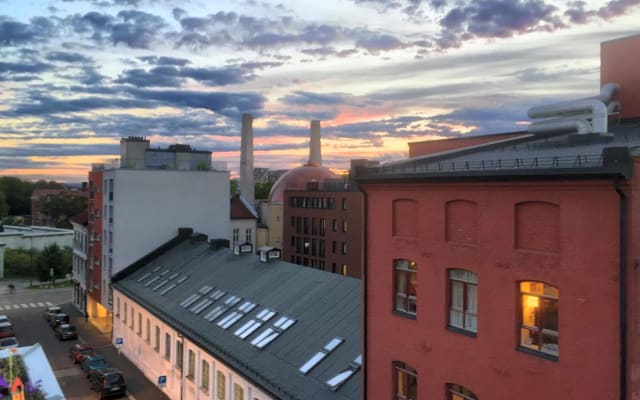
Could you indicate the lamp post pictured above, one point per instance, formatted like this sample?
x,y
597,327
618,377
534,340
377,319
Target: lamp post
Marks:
x,y
181,336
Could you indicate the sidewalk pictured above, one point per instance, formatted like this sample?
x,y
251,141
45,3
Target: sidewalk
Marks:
x,y
139,387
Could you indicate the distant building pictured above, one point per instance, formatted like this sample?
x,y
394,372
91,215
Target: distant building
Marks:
x,y
80,223
222,324
135,208
39,197
244,219
517,253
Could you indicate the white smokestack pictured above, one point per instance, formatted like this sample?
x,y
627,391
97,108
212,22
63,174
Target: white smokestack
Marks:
x,y
315,157
247,188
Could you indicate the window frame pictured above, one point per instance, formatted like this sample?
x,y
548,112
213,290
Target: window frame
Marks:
x,y
462,392
397,271
191,365
546,296
204,375
466,284
400,368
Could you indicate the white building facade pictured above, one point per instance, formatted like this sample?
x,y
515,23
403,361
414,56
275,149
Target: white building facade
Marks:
x,y
142,209
159,350
79,261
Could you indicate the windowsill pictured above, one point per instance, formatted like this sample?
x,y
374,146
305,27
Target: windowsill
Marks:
x,y
461,331
537,353
204,390
190,377
404,314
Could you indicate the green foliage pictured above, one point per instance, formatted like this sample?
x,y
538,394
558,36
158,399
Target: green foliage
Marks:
x,y
233,186
17,263
262,190
17,194
202,166
61,208
52,257
4,207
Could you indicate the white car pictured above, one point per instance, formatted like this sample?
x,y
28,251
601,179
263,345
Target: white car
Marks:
x,y
4,318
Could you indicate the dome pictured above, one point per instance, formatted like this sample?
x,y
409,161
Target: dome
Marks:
x,y
297,179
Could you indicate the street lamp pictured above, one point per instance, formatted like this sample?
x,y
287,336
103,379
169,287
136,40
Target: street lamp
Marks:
x,y
181,336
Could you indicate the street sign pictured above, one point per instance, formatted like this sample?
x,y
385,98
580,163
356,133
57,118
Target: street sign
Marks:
x,y
119,341
162,380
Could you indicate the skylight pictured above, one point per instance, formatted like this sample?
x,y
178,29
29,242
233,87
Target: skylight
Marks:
x,y
217,294
222,308
143,277
156,268
336,381
197,309
271,333
205,289
235,316
190,300
251,326
167,289
319,356
161,284
182,279
151,281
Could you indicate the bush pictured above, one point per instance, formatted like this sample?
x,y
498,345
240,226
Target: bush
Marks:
x,y
17,263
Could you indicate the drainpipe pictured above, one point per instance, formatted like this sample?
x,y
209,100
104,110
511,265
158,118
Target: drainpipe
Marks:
x,y
623,289
365,301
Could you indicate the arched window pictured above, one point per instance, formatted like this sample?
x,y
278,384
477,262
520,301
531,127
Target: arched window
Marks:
x,y
539,315
463,300
405,382
459,392
405,285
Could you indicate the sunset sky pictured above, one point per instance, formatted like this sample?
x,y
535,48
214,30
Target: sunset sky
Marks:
x,y
76,76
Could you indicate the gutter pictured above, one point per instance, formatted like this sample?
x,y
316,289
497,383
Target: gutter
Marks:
x,y
623,288
365,300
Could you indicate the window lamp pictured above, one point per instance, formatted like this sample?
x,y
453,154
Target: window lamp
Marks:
x,y
539,315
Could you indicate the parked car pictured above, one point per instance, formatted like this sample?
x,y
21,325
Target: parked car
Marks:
x,y
79,351
58,319
66,331
93,363
8,343
6,330
51,310
4,318
108,382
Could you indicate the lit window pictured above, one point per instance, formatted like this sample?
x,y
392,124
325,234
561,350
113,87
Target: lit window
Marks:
x,y
539,317
405,284
238,392
405,382
191,366
458,392
344,225
345,269
463,301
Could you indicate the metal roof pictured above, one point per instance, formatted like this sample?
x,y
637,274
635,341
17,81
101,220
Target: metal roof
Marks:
x,y
319,306
554,154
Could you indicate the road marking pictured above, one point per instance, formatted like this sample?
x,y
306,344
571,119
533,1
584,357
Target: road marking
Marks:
x,y
49,303
32,305
15,306
130,396
41,304
24,305
1,308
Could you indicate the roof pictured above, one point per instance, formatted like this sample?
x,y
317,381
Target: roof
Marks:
x,y
240,209
298,179
81,219
552,155
39,369
311,308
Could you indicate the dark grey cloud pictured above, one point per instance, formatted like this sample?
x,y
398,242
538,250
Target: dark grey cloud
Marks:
x,y
45,150
14,33
302,98
138,29
172,76
379,42
67,57
162,60
23,68
323,52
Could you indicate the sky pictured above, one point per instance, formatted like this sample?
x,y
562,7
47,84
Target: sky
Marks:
x,y
77,75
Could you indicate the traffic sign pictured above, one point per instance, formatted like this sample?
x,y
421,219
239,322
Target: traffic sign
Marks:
x,y
162,380
119,341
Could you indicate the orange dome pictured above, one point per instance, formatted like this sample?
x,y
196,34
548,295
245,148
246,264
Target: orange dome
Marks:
x,y
297,179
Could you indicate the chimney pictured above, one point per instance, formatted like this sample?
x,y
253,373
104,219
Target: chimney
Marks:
x,y
247,188
315,157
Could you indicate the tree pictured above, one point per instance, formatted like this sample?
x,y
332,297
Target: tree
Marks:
x,y
263,189
62,207
17,263
51,257
233,186
4,207
17,194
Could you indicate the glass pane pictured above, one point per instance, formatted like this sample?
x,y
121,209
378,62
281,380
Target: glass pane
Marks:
x,y
550,314
456,319
401,287
457,299
550,344
529,338
530,306
472,299
471,323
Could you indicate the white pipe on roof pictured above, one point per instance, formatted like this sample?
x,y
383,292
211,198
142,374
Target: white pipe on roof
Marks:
x,y
596,108
561,124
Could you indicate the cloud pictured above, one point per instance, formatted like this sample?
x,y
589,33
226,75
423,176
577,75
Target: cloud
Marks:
x,y
299,97
171,76
162,60
379,42
17,68
67,57
13,33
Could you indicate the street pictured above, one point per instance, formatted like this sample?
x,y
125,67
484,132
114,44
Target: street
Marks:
x,y
25,307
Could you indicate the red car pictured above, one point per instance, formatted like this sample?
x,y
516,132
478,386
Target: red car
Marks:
x,y
6,330
79,351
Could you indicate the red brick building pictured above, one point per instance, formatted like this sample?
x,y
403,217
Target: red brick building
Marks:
x,y
509,270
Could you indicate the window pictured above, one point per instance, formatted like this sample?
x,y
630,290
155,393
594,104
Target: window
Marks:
x,y
539,317
405,283
139,324
345,270
344,247
118,307
220,386
344,225
405,382
191,366
238,392
248,235
179,355
125,313
344,203
148,338
167,346
156,346
334,225
133,316
458,392
205,376
236,235
463,300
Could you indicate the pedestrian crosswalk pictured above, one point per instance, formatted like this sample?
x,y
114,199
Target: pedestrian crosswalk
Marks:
x,y
8,307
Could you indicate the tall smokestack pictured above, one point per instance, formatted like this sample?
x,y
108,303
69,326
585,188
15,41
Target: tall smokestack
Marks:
x,y
315,157
247,188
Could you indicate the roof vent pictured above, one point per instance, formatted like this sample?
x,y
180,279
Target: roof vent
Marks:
x,y
268,253
242,248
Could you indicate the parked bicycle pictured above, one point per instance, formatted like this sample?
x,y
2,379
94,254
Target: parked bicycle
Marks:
x,y
12,288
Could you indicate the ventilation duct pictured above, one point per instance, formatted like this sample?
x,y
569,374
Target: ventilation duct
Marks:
x,y
576,113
